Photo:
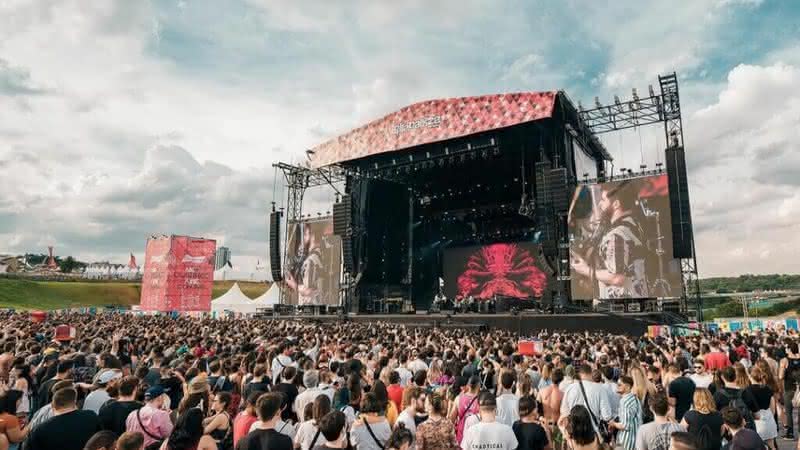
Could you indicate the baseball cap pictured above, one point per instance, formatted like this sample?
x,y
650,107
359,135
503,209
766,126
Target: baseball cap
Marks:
x,y
154,392
108,376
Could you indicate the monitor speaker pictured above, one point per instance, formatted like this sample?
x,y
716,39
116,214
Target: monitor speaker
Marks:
x,y
275,245
682,237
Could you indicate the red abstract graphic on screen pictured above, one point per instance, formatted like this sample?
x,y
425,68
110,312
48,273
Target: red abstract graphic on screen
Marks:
x,y
504,270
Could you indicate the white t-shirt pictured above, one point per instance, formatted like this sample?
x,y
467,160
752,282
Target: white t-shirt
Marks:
x,y
416,365
407,419
405,375
280,426
701,381
489,436
507,409
278,363
305,435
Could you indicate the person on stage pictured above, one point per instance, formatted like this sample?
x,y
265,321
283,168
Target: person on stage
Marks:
x,y
309,286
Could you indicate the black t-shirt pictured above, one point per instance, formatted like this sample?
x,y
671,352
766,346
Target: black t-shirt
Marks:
x,y
792,374
68,431
44,396
265,440
114,413
762,395
682,390
724,396
706,427
256,386
530,436
152,377
174,389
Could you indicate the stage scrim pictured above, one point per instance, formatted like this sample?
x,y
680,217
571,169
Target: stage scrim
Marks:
x,y
621,241
512,270
313,264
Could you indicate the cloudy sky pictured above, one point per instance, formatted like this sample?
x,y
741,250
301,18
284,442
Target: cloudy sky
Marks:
x,y
123,118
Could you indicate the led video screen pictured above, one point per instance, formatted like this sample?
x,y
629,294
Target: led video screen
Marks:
x,y
513,270
313,263
621,241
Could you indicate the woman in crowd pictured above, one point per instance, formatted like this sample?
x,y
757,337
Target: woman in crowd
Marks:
x,y
219,424
578,430
245,419
530,434
307,430
704,421
400,439
390,410
766,426
10,425
371,431
436,433
188,433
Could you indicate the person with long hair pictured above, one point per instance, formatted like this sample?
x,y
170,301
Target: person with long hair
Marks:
x,y
704,421
245,419
23,382
436,433
307,430
742,379
371,431
188,433
466,405
382,394
643,390
10,425
764,399
218,424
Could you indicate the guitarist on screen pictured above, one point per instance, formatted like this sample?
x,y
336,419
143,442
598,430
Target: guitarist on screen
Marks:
x,y
310,282
615,264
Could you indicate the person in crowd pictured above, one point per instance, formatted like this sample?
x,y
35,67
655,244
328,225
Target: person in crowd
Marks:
x,y
332,433
588,393
507,401
400,439
69,428
731,394
219,424
410,398
131,441
311,383
656,434
105,440
64,372
682,440
704,421
466,404
115,412
740,437
766,427
188,433
716,359
10,425
701,377
789,375
266,436
289,391
46,412
279,425
260,382
391,413
99,397
488,433
436,433
630,414
22,380
680,391
308,430
530,434
395,389
550,398
578,430
152,419
371,430
245,419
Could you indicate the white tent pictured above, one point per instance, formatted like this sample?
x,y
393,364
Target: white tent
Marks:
x,y
233,301
270,298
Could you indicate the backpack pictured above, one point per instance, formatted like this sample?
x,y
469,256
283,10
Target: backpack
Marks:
x,y
744,410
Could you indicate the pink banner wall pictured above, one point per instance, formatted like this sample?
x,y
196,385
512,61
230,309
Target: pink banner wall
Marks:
x,y
179,274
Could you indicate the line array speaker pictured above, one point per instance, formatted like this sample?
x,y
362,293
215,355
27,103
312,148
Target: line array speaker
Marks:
x,y
275,245
679,203
343,226
558,185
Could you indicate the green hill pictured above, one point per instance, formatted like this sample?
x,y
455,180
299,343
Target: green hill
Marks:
x,y
28,294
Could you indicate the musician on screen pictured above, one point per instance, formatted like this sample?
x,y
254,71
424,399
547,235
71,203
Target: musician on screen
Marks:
x,y
310,283
614,261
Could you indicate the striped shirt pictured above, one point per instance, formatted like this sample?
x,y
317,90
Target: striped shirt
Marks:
x,y
630,416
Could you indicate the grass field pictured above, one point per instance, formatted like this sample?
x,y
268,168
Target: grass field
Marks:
x,y
26,294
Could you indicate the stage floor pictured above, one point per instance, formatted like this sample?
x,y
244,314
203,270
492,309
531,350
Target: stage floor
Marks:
x,y
523,323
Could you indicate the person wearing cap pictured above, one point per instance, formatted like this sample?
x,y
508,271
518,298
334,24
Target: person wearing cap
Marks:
x,y
98,397
311,382
489,433
152,420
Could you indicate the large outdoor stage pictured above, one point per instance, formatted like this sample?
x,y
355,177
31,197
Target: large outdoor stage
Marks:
x,y
523,323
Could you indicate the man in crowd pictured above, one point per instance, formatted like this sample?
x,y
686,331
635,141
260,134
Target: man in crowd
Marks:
x,y
488,433
680,391
114,413
740,437
46,412
507,401
311,382
98,397
656,434
152,420
630,414
717,359
69,428
588,393
265,436
64,372
701,377
332,429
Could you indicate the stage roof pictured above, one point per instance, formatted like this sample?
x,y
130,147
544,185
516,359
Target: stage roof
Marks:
x,y
434,121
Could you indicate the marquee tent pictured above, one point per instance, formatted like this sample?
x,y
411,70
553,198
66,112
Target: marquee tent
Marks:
x,y
270,298
233,301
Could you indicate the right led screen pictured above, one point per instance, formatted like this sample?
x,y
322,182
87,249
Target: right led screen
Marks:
x,y
621,241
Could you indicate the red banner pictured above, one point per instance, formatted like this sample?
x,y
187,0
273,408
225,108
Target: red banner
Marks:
x,y
178,274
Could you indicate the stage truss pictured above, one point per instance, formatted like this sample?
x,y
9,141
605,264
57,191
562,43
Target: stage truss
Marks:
x,y
656,108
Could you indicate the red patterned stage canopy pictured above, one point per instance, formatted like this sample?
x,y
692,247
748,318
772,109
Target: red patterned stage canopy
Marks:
x,y
434,121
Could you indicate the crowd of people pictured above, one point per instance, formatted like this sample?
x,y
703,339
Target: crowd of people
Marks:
x,y
125,382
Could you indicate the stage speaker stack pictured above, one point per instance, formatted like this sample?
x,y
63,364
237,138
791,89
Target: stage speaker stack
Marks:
x,y
679,203
343,227
558,185
275,245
